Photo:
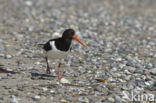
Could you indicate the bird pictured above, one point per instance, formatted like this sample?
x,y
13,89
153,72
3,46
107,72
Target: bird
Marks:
x,y
58,48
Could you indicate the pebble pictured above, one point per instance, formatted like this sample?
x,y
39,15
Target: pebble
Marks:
x,y
153,71
20,86
36,98
139,70
69,99
45,89
7,87
153,86
1,98
9,74
28,3
117,99
124,87
103,101
110,99
131,69
51,98
83,99
52,91
64,81
14,99
2,55
98,88
127,77
127,72
5,93
8,56
147,83
56,35
63,101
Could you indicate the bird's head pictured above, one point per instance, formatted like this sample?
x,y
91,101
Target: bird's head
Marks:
x,y
70,34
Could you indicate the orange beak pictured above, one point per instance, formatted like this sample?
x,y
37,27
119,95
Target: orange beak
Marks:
x,y
74,37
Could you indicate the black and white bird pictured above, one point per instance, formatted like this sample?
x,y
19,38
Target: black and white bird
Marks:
x,y
58,48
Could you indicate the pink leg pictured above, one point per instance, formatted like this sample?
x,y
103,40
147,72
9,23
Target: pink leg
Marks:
x,y
59,75
48,69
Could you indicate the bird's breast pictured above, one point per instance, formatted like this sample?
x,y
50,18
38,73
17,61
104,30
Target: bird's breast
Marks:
x,y
55,53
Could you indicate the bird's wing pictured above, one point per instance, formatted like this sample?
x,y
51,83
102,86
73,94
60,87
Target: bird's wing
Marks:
x,y
41,44
47,46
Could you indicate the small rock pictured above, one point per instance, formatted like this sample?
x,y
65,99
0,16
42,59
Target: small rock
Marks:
x,y
103,101
8,56
7,87
63,101
5,93
28,3
36,97
56,35
153,87
52,91
20,86
153,71
45,89
139,70
126,71
117,99
98,88
110,99
100,79
118,59
65,81
2,55
83,99
14,99
147,83
124,87
127,77
4,77
129,68
51,98
1,98
9,74
69,99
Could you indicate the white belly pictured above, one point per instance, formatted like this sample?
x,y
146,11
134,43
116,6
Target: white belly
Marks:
x,y
57,54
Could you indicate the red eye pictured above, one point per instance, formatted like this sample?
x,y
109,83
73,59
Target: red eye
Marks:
x,y
70,32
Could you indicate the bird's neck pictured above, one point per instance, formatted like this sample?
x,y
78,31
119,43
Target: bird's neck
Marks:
x,y
64,45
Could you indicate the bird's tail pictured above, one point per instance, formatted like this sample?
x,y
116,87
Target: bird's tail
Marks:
x,y
40,45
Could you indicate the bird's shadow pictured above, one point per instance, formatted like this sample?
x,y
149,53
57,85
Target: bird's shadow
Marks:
x,y
41,76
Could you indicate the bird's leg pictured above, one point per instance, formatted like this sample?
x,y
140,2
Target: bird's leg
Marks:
x,y
59,75
48,69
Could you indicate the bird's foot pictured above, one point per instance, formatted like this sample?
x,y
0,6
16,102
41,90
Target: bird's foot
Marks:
x,y
48,71
59,76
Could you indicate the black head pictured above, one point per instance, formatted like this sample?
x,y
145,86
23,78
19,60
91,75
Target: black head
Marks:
x,y
68,34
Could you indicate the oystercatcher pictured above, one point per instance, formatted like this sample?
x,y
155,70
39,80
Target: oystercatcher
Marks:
x,y
58,48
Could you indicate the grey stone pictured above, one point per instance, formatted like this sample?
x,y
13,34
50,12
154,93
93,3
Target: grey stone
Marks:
x,y
1,98
83,99
110,99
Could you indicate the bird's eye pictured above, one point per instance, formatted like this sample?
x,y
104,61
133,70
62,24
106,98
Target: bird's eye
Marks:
x,y
70,32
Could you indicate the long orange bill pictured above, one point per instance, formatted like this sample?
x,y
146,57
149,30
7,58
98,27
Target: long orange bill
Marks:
x,y
74,37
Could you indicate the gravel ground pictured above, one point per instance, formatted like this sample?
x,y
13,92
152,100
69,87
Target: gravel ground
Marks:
x,y
118,65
